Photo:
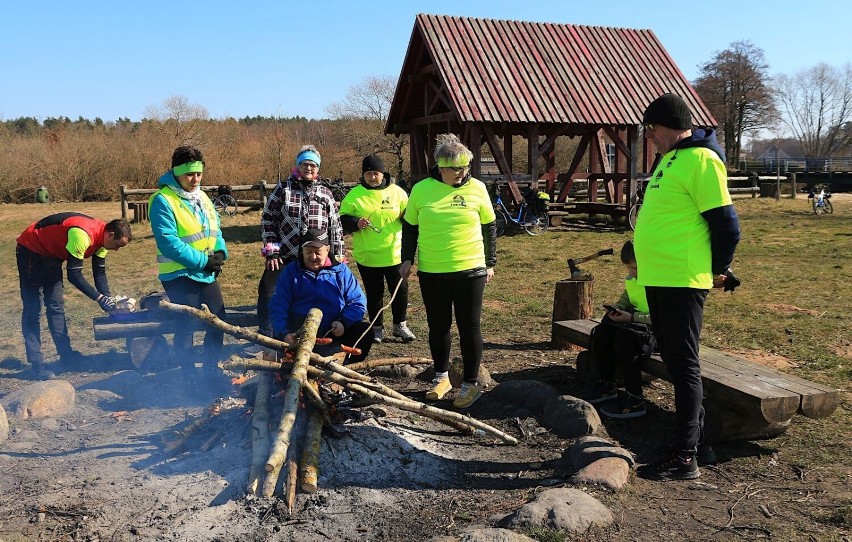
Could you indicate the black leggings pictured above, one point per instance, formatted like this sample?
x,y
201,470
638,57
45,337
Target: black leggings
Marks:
x,y
440,297
623,347
185,291
374,279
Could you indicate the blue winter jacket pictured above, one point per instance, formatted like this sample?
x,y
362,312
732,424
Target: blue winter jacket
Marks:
x,y
164,228
334,290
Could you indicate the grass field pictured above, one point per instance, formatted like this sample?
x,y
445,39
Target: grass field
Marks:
x,y
794,302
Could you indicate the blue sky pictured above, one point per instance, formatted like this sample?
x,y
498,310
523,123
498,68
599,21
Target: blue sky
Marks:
x,y
114,59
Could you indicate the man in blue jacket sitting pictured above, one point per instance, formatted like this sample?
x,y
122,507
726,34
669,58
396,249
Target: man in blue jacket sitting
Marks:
x,y
316,281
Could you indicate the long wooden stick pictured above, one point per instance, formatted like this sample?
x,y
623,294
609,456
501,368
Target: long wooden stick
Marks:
x,y
291,401
371,363
260,432
310,457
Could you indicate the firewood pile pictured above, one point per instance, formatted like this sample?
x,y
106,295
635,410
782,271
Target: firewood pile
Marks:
x,y
288,455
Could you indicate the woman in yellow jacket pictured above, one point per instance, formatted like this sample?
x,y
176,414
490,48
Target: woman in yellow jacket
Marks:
x,y
371,212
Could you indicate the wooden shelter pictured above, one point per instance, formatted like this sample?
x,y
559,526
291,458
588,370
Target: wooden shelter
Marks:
x,y
488,80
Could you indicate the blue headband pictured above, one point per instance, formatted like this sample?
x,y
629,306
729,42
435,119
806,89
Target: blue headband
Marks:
x,y
313,156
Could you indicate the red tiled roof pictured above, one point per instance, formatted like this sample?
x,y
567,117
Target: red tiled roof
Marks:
x,y
526,72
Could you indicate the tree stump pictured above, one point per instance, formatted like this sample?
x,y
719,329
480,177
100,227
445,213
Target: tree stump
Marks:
x,y
572,300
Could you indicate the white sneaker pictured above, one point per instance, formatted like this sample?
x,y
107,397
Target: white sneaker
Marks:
x,y
401,330
378,334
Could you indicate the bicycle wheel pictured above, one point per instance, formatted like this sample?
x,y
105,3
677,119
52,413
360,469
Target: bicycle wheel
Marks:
x,y
817,207
537,223
225,205
632,215
501,221
828,208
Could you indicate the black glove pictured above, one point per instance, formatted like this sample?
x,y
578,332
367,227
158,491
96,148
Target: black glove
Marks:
x,y
214,262
731,282
106,302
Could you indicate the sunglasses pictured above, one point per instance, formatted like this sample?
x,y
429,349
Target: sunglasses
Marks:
x,y
306,165
461,169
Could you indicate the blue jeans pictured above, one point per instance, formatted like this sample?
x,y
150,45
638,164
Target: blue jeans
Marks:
x,y
42,276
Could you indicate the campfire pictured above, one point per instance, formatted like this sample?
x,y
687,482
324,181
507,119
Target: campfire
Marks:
x,y
312,387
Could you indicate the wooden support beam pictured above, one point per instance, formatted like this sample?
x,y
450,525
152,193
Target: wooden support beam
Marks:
x,y
500,158
533,155
575,163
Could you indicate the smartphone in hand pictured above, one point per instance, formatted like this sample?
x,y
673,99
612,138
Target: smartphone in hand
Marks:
x,y
611,308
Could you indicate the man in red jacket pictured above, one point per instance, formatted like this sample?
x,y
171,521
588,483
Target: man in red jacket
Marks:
x,y
41,249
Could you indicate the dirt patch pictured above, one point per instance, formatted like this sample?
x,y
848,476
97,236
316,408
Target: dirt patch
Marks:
x,y
765,358
790,309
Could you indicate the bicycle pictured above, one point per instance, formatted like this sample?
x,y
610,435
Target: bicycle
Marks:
x,y
821,201
533,220
338,189
633,213
224,202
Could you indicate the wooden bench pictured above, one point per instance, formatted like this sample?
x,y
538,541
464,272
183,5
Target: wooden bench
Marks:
x,y
140,211
144,334
742,399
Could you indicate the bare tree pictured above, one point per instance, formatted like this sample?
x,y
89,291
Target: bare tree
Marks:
x,y
363,113
183,121
735,86
817,105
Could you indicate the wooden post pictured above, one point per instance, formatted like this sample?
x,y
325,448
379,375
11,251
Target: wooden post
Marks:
x,y
262,190
123,196
792,177
572,300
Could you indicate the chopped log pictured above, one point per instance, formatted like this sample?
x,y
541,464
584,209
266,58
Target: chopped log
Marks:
x,y
291,401
260,432
372,363
572,300
310,457
292,482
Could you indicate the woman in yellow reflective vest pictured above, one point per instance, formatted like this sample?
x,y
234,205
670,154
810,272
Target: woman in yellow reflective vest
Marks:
x,y
190,255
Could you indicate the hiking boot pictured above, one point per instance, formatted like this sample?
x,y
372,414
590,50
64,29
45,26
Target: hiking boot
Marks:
x,y
601,393
468,395
671,467
378,334
40,373
626,406
401,330
71,361
440,387
706,455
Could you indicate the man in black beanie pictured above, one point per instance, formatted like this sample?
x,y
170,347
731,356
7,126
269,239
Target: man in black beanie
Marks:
x,y
685,239
373,162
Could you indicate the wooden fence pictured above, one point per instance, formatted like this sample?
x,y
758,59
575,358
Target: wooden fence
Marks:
x,y
129,200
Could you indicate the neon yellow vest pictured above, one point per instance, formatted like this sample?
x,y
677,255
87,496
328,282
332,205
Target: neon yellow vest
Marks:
x,y
189,228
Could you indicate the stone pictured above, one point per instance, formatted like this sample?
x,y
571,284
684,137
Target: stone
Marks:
x,y
589,449
610,472
50,424
568,509
47,399
4,425
569,417
483,534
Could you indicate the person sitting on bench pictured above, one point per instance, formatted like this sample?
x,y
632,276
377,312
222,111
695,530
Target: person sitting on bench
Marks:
x,y
317,281
622,340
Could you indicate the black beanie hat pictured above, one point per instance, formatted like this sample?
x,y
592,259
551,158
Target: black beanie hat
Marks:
x,y
668,110
372,162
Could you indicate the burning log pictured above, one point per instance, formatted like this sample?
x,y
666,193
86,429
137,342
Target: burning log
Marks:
x,y
291,401
292,482
310,457
373,363
260,432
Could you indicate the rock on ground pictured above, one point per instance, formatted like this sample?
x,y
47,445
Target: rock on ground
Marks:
x,y
46,399
569,417
484,534
610,472
529,393
564,508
